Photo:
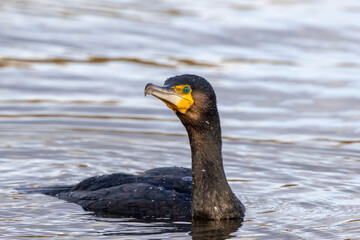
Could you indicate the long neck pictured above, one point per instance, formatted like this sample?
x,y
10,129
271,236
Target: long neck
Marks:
x,y
212,197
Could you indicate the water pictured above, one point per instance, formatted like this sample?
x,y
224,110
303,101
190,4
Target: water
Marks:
x,y
72,75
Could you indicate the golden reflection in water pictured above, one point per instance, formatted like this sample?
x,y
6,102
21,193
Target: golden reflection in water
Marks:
x,y
17,62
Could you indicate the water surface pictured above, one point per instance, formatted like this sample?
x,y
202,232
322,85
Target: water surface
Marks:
x,y
286,73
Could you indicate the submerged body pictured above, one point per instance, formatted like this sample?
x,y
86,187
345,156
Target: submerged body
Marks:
x,y
177,193
156,193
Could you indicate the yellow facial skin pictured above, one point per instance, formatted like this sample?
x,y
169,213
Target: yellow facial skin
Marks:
x,y
178,98
184,104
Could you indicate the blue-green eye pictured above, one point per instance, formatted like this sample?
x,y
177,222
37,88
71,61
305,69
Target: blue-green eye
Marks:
x,y
186,90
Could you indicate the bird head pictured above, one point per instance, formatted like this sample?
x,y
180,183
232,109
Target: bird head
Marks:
x,y
191,97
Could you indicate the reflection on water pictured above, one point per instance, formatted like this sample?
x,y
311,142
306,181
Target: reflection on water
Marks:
x,y
135,227
72,75
214,229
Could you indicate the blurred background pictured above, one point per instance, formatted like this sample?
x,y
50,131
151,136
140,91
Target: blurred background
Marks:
x,y
286,74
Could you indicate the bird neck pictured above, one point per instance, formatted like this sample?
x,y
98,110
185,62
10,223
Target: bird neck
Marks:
x,y
212,197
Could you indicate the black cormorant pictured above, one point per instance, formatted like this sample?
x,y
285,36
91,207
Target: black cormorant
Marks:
x,y
170,192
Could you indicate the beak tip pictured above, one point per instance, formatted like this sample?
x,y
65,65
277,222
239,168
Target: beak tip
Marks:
x,y
147,88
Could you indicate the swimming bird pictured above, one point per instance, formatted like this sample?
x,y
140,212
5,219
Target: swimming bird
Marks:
x,y
169,192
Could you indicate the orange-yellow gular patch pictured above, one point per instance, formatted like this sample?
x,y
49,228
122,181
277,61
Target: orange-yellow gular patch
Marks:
x,y
178,98
186,99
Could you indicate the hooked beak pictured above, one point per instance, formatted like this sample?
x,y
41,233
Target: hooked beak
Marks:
x,y
169,96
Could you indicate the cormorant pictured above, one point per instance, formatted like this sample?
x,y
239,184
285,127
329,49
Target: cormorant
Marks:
x,y
171,192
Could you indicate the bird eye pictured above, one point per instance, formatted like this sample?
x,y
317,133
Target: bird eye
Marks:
x,y
186,90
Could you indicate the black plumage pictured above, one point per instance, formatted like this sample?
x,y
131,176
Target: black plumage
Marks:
x,y
176,193
156,193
